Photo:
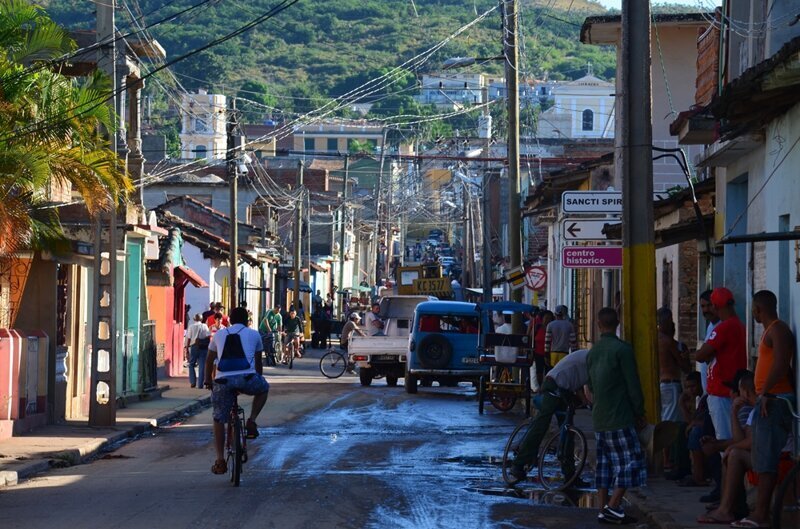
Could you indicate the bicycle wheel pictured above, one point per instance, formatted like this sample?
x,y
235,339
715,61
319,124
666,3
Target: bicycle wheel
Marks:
x,y
562,458
786,501
291,354
512,447
237,453
504,399
332,364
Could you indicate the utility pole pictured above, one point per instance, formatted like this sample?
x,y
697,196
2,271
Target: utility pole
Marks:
x,y
298,231
511,53
485,132
635,173
233,178
103,394
469,251
343,217
378,209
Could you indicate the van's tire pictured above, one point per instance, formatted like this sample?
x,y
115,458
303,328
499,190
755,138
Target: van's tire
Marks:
x,y
391,380
434,352
410,382
365,376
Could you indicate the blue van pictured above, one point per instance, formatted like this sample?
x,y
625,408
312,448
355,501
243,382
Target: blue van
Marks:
x,y
443,345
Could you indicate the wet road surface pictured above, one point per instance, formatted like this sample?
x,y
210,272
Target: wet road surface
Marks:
x,y
331,454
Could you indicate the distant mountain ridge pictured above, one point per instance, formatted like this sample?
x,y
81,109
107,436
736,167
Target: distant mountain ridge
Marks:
x,y
327,47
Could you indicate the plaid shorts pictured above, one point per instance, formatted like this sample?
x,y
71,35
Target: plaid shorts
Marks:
x,y
224,391
620,460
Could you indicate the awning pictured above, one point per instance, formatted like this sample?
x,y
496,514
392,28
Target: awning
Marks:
x,y
304,287
190,275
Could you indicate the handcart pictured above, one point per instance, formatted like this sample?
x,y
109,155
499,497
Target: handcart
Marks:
x,y
509,357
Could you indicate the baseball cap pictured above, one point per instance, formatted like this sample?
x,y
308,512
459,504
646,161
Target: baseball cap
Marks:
x,y
562,310
721,296
355,316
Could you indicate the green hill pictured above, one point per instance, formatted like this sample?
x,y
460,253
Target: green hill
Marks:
x,y
326,47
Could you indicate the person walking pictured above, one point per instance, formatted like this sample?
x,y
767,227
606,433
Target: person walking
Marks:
x,y
559,337
197,340
617,414
771,417
563,382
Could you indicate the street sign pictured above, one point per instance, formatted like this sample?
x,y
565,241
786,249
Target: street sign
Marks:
x,y
591,257
591,202
585,229
535,278
597,201
515,278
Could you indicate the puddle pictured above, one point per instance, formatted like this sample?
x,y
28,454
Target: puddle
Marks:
x,y
569,498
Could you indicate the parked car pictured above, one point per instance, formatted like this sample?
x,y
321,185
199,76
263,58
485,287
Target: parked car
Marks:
x,y
385,354
443,345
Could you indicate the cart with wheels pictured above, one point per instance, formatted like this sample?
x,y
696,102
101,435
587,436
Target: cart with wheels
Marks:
x,y
509,357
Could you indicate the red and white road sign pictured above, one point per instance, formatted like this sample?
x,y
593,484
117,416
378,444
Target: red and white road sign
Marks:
x,y
535,277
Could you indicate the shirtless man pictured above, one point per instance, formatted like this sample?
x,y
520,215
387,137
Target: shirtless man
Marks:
x,y
671,362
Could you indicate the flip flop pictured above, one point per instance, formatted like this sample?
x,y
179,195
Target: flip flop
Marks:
x,y
747,523
219,467
713,520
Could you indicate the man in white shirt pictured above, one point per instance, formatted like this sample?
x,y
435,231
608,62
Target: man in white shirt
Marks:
x,y
238,354
197,342
374,321
711,316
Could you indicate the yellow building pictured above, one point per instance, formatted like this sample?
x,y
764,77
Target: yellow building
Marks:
x,y
337,137
203,132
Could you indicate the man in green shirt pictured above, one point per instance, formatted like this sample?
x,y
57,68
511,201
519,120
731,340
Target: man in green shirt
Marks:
x,y
617,414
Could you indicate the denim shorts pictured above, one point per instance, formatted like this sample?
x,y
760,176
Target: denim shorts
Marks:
x,y
720,410
224,392
693,441
769,435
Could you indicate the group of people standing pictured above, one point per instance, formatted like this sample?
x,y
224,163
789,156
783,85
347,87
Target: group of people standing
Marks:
x,y
197,339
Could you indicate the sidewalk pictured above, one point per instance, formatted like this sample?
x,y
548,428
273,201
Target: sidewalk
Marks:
x,y
70,443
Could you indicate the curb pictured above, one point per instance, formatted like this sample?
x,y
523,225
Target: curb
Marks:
x,y
80,454
654,514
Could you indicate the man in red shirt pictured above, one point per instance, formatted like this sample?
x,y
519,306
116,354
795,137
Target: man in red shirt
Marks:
x,y
725,353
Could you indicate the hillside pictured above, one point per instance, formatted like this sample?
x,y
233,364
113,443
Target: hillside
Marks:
x,y
323,48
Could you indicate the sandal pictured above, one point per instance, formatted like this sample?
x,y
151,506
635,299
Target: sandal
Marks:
x,y
219,467
709,518
747,523
251,429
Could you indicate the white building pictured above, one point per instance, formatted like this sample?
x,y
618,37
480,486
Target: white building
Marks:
x,y
583,108
203,132
453,89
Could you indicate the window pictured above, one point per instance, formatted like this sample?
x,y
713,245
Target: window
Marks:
x,y
588,120
200,151
333,144
308,144
201,125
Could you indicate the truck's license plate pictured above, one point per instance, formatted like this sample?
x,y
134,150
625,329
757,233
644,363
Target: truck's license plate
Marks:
x,y
469,360
383,357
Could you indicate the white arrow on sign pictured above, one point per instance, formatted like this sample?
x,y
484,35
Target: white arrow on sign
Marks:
x,y
586,229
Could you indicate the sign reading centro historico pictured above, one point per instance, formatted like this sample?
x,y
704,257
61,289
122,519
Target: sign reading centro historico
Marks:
x,y
591,257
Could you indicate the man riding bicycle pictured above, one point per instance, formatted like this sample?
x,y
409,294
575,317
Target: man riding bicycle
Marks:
x,y
294,331
237,352
270,329
562,382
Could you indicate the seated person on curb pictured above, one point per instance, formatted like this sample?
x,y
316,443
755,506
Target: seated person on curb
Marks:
x,y
736,458
565,381
293,326
698,426
237,351
349,328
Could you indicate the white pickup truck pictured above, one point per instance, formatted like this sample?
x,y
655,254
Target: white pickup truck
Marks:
x,y
385,354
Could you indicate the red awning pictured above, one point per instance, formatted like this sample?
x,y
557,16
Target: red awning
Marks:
x,y
191,276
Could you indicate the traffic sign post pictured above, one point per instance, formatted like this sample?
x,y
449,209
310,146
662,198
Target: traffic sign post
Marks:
x,y
535,278
591,257
586,229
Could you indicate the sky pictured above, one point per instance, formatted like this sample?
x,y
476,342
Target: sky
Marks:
x,y
617,3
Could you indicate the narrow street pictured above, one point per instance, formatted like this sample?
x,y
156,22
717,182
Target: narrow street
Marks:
x,y
330,454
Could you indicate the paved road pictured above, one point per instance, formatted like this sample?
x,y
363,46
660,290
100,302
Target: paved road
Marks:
x,y
331,454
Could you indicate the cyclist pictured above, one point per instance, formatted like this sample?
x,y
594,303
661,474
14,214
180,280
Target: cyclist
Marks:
x,y
271,327
237,352
564,381
349,328
293,326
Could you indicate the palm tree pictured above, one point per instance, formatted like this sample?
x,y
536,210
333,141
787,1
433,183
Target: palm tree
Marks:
x,y
49,132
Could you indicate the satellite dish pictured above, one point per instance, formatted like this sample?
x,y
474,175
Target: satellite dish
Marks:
x,y
221,274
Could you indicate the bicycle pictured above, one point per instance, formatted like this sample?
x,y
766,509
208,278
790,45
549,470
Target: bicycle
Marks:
x,y
334,363
567,447
268,341
789,515
236,442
